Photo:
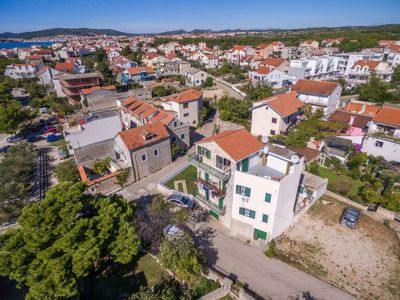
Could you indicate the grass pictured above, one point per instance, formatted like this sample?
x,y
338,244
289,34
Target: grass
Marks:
x,y
189,175
151,269
59,143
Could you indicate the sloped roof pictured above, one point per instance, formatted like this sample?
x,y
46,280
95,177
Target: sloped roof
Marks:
x,y
367,109
284,104
137,70
185,96
273,62
238,143
389,115
97,88
314,87
135,138
371,64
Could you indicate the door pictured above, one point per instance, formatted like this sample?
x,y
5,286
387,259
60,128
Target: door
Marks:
x,y
207,176
245,165
206,193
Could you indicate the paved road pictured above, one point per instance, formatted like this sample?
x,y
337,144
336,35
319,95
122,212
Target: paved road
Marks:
x,y
265,276
231,92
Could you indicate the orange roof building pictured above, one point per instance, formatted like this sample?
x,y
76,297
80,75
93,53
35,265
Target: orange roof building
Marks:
x,y
388,115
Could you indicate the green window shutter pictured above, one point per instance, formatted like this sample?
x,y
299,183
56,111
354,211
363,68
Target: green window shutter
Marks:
x,y
245,165
265,218
207,176
241,211
214,214
238,187
247,192
268,197
252,214
208,154
221,203
198,150
301,189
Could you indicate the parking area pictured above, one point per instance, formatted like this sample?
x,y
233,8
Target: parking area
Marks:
x,y
362,261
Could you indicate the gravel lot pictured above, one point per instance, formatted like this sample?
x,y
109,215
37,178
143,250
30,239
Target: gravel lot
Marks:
x,y
363,262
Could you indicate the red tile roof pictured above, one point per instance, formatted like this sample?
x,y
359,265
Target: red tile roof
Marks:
x,y
273,62
284,104
264,70
314,87
371,64
389,115
137,70
135,138
64,67
238,143
366,109
185,96
97,88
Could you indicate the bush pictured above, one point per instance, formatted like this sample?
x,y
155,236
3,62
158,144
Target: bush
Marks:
x,y
271,251
101,166
67,171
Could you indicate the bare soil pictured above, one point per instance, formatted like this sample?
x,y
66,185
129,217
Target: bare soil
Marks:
x,y
364,262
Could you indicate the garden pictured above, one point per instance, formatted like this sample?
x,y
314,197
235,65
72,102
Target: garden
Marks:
x,y
184,181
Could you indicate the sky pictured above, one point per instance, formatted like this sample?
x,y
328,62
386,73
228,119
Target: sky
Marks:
x,y
152,16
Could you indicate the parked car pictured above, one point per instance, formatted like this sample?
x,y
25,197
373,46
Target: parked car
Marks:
x,y
350,217
32,128
50,130
91,118
52,121
53,137
43,110
33,138
181,200
14,138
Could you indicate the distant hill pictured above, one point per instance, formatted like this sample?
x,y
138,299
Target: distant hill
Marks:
x,y
62,31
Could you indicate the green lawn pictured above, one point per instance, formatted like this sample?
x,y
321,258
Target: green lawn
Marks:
x,y
189,175
341,184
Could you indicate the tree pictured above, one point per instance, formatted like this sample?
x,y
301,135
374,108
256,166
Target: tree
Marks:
x,y
209,82
36,90
65,238
122,178
101,166
67,171
16,170
152,221
179,254
160,91
234,110
375,90
395,81
167,289
258,92
12,115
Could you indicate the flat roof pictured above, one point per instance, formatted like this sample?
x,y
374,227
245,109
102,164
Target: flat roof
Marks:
x,y
67,76
263,171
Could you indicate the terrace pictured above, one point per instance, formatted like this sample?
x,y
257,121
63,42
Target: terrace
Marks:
x,y
196,160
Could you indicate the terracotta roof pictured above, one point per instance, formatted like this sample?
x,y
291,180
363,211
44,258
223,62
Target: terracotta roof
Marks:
x,y
393,48
135,138
28,57
389,115
137,70
273,62
66,66
238,143
371,64
97,88
284,104
314,87
308,153
151,55
346,117
264,70
366,109
185,96
262,46
42,70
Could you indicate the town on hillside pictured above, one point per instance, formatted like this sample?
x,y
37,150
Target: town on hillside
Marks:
x,y
199,166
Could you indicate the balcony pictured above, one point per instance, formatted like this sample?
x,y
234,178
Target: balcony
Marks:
x,y
196,160
210,205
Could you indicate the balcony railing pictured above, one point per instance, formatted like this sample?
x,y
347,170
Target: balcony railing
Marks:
x,y
211,205
196,160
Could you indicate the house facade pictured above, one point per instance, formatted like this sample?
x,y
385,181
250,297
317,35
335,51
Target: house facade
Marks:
x,y
195,77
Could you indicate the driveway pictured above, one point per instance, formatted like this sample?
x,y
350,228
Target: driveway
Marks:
x,y
266,276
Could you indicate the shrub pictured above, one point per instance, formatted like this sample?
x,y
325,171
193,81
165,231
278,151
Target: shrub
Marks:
x,y
271,251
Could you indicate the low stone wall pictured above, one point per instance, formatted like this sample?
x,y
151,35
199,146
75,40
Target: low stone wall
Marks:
x,y
224,290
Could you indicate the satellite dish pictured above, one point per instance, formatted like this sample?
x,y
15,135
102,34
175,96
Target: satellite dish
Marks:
x,y
295,159
266,150
264,139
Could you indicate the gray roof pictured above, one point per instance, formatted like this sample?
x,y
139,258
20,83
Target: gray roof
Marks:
x,y
313,181
94,132
193,70
68,76
281,151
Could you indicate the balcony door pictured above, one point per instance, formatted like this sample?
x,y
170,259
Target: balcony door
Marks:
x,y
222,163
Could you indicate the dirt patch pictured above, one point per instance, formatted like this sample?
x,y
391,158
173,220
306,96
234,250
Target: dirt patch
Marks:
x,y
364,261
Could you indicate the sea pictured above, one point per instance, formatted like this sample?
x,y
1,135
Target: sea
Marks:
x,y
11,45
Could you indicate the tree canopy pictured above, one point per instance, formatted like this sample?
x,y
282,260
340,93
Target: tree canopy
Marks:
x,y
67,171
12,116
65,238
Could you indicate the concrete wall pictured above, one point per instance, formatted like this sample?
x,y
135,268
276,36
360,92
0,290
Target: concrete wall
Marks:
x,y
261,121
390,150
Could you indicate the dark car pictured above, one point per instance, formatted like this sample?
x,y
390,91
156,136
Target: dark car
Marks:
x,y
350,217
181,200
4,149
52,121
33,138
53,137
14,138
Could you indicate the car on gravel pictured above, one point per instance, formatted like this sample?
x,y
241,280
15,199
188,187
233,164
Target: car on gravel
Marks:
x,y
181,200
350,217
14,138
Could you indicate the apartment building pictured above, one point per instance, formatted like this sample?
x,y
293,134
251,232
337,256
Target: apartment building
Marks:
x,y
319,94
144,150
347,60
187,104
361,71
21,71
276,114
195,77
273,77
324,67
137,74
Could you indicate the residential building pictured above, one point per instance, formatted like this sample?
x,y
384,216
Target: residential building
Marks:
x,y
338,147
331,42
187,104
21,71
270,50
238,52
144,150
309,43
323,67
46,75
361,71
276,63
347,60
138,74
270,76
70,85
319,94
195,77
275,114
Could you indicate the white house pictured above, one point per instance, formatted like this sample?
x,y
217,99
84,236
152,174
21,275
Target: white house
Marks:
x,y
361,71
347,60
276,114
271,76
20,71
195,77
186,104
319,94
314,68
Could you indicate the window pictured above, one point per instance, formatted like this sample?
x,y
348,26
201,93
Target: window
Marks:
x,y
268,197
156,152
379,144
247,212
175,124
242,190
144,157
173,139
185,105
204,152
194,122
182,136
272,132
274,120
186,115
265,218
